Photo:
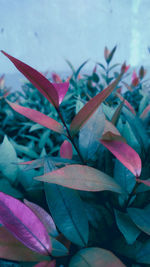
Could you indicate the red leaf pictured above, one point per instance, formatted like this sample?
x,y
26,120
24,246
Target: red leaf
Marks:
x,y
145,112
56,78
24,224
135,79
66,150
126,154
45,87
38,117
44,217
90,107
61,89
124,68
126,103
46,264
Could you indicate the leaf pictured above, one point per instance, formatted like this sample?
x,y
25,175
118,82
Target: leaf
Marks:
x,y
117,113
7,188
79,69
126,154
124,177
46,264
143,255
38,117
12,249
129,135
61,89
81,177
95,257
137,127
145,112
126,103
91,106
24,224
146,182
45,87
8,156
126,227
44,217
58,249
66,150
90,133
110,55
141,218
67,210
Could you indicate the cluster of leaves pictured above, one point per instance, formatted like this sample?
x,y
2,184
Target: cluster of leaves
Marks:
x,y
90,205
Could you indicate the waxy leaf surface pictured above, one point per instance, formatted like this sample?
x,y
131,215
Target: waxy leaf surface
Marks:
x,y
66,150
95,257
141,217
67,210
81,177
45,87
44,217
61,89
13,249
89,108
24,224
126,154
38,117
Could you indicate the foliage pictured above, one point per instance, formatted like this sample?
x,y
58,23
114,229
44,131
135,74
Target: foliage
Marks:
x,y
83,197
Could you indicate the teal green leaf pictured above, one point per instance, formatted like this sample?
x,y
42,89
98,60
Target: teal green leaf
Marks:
x,y
126,227
67,210
141,217
8,189
90,134
95,257
58,249
7,158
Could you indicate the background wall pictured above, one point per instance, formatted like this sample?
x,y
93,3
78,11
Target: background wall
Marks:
x,y
43,33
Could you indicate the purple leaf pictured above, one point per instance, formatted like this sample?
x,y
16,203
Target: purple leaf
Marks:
x,y
66,150
24,224
61,89
45,87
38,117
44,217
126,154
46,264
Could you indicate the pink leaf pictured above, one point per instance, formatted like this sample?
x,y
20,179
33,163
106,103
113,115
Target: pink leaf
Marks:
x,y
91,106
46,264
45,87
38,117
56,78
13,249
146,182
145,112
126,154
24,224
61,89
44,217
135,79
66,150
126,103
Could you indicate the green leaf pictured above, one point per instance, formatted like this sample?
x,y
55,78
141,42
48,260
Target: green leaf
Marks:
x,y
8,189
91,106
90,134
126,227
143,255
141,218
67,210
95,257
7,158
132,141
137,128
81,177
58,249
79,69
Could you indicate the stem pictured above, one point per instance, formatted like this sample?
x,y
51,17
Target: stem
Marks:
x,y
131,195
69,136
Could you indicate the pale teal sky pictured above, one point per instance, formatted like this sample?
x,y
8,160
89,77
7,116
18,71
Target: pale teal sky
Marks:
x,y
43,33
